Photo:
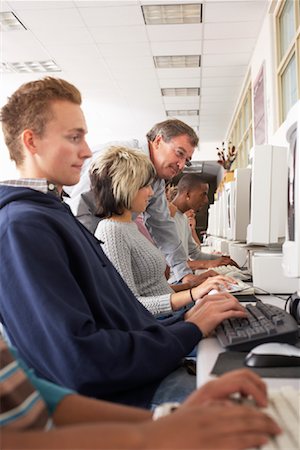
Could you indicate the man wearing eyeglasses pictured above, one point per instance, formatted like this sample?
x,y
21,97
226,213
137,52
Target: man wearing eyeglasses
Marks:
x,y
170,146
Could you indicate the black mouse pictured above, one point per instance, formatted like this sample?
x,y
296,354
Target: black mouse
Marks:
x,y
273,354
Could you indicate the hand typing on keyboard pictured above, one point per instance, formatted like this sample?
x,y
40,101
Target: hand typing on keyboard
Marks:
x,y
263,323
224,424
208,313
219,283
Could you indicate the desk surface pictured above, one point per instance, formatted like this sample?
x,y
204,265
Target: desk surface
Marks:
x,y
209,349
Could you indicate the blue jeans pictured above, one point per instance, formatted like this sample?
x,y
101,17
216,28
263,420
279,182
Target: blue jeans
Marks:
x,y
176,387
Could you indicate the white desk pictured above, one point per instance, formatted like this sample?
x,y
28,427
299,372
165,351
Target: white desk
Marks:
x,y
209,349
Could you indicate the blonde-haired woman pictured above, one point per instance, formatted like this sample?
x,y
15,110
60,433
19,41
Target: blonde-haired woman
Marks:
x,y
121,181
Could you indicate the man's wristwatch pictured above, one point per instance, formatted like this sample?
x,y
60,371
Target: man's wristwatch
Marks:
x,y
164,409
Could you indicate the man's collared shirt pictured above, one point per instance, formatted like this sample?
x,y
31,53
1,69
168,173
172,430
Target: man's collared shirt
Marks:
x,y
38,184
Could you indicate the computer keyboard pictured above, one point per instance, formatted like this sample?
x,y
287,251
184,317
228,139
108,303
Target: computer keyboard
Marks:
x,y
265,323
239,287
284,408
234,272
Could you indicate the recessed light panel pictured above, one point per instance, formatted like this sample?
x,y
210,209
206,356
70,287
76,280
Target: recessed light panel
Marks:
x,y
179,61
30,67
180,92
182,112
172,14
10,22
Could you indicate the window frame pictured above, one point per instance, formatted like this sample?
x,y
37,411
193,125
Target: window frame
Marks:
x,y
283,61
239,137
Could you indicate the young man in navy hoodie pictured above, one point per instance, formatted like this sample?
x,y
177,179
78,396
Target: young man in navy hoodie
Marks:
x,y
62,303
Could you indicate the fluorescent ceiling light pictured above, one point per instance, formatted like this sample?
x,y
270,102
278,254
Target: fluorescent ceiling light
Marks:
x,y
180,92
10,22
29,67
172,14
173,62
182,112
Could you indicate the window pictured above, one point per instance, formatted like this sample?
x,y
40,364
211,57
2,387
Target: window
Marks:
x,y
241,131
288,54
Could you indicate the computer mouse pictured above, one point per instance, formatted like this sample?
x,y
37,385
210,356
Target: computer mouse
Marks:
x,y
273,354
231,288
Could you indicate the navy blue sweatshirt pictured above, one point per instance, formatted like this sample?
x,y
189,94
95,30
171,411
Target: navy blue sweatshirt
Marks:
x,y
69,312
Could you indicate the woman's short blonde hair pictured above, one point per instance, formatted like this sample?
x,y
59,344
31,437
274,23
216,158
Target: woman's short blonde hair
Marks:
x,y
116,177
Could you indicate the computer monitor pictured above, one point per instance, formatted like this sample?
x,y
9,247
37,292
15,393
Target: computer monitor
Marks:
x,y
212,222
222,213
239,213
229,193
291,247
268,203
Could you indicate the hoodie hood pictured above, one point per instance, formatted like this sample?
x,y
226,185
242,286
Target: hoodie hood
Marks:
x,y
9,194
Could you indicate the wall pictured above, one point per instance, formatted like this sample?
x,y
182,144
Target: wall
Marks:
x,y
264,54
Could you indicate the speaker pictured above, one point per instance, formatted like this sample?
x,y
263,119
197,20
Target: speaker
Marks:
x,y
294,306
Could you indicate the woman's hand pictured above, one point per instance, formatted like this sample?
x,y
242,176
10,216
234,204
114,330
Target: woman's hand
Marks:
x,y
219,283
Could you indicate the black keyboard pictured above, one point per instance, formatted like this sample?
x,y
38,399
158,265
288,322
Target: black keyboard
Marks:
x,y
265,323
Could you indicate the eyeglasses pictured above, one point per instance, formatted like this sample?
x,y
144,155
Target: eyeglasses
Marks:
x,y
181,154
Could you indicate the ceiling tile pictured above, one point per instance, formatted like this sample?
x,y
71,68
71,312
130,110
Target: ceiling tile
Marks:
x,y
130,63
218,90
179,82
112,16
140,86
125,49
228,59
162,48
235,11
224,46
47,19
122,34
181,102
127,73
178,73
221,81
30,50
4,6
34,5
226,71
174,32
74,36
104,3
229,31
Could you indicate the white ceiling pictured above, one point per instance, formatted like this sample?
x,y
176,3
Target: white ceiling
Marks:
x,y
107,51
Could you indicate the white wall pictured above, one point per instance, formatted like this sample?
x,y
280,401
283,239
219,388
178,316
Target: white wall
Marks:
x,y
7,167
264,54
207,151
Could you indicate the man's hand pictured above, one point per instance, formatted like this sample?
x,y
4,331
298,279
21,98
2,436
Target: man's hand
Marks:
x,y
192,218
210,427
195,280
209,313
243,381
224,261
